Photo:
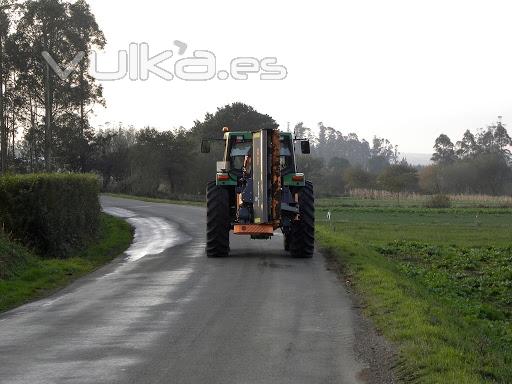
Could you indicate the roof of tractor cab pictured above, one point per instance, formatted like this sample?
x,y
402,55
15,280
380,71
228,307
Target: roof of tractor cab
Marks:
x,y
248,135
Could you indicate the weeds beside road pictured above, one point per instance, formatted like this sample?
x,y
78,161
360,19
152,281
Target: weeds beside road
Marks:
x,y
33,277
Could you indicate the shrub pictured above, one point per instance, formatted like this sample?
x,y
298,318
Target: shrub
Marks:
x,y
12,257
399,178
438,201
52,213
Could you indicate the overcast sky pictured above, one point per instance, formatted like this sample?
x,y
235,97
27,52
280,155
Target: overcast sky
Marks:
x,y
404,70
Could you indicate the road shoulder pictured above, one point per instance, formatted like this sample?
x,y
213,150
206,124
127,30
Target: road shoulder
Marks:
x,y
371,347
36,277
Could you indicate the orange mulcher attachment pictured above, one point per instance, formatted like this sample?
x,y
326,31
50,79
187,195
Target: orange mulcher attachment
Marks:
x,y
267,150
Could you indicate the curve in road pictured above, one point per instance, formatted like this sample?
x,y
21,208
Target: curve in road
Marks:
x,y
164,313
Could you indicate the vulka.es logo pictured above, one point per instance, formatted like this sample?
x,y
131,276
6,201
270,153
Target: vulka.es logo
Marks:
x,y
138,64
63,74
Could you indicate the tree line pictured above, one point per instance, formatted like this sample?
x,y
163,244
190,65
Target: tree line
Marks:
x,y
169,163
44,126
49,113
153,162
479,163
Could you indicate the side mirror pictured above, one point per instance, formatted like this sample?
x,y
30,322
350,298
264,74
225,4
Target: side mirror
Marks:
x,y
305,148
205,146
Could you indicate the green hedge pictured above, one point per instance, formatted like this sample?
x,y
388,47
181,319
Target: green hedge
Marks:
x,y
52,213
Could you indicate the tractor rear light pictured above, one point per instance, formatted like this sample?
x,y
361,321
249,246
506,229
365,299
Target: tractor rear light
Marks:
x,y
223,177
298,178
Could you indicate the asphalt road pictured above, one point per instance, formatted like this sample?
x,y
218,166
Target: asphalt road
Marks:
x,y
164,313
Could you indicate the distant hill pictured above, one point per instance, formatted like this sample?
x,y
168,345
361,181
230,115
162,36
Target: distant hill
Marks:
x,y
418,158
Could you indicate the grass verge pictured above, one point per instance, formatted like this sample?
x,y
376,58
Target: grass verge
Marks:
x,y
33,277
447,308
157,200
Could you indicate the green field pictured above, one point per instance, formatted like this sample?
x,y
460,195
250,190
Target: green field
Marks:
x,y
452,226
24,276
436,282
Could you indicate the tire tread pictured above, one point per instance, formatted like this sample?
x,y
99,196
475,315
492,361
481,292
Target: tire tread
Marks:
x,y
217,221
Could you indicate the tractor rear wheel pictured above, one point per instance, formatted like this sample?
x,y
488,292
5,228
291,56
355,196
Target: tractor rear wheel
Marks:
x,y
302,244
217,221
287,242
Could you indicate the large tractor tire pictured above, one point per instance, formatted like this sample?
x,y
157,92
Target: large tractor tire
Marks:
x,y
302,241
217,221
287,240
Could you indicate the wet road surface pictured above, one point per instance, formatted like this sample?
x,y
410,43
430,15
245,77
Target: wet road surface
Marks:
x,y
164,313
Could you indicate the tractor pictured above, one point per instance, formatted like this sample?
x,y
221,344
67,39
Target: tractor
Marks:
x,y
257,191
